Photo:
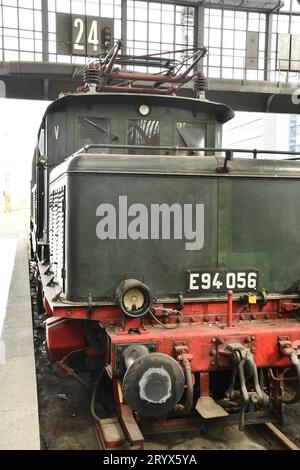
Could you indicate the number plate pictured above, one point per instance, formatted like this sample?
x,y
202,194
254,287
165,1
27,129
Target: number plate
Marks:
x,y
221,281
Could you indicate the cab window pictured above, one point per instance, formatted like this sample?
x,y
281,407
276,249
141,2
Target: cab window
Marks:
x,y
191,134
92,130
41,143
143,132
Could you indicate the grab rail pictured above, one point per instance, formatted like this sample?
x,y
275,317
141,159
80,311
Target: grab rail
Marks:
x,y
229,153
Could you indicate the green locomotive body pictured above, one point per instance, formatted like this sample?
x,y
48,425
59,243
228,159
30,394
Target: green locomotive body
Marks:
x,y
172,268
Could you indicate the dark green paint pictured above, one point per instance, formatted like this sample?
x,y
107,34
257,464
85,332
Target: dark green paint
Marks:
x,y
120,109
252,220
252,215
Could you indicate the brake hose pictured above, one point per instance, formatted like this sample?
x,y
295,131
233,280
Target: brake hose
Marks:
x,y
186,408
296,398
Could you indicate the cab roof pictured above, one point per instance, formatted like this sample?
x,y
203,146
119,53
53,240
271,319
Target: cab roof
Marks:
x,y
221,112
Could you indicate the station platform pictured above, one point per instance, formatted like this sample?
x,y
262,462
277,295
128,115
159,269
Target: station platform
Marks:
x,y
19,423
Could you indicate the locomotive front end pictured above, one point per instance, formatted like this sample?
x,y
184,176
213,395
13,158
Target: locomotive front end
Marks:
x,y
170,268
188,292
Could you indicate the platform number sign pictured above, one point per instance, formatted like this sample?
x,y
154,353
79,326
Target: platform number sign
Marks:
x,y
86,35
83,35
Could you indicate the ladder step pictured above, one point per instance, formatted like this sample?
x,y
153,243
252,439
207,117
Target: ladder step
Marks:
x,y
130,426
110,434
208,408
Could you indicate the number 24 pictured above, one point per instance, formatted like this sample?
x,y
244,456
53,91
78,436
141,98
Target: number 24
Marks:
x,y
92,37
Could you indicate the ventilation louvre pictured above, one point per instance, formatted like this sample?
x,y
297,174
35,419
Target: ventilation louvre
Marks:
x,y
57,232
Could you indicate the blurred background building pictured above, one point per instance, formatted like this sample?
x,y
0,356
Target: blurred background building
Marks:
x,y
263,131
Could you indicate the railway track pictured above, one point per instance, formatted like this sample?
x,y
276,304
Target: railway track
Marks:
x,y
280,437
272,436
268,434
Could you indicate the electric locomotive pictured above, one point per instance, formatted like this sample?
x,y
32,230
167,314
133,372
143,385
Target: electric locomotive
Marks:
x,y
167,263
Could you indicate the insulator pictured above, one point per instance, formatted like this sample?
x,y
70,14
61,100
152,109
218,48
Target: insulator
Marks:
x,y
200,83
92,75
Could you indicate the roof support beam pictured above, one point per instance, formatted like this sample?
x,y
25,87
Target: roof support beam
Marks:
x,y
45,30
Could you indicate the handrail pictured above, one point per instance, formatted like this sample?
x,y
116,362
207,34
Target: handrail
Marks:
x,y
229,153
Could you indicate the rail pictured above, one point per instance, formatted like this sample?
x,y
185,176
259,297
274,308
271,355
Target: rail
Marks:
x,y
229,153
281,437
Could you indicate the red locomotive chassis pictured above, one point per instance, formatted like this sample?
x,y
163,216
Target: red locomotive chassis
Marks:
x,y
268,331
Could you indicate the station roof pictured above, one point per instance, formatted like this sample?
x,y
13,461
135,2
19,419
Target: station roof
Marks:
x,y
254,5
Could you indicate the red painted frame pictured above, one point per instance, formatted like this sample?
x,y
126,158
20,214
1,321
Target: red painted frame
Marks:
x,y
205,330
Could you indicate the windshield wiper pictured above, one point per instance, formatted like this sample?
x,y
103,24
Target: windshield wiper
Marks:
x,y
114,136
183,138
185,141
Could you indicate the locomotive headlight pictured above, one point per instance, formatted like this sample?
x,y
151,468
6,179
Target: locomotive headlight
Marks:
x,y
43,159
144,110
134,298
